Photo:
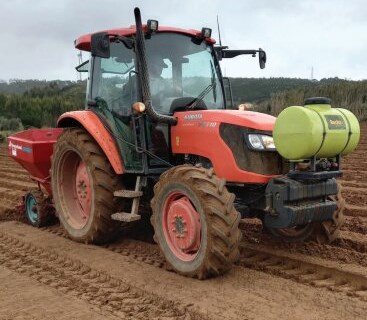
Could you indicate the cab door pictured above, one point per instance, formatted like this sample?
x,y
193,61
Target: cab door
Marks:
x,y
113,88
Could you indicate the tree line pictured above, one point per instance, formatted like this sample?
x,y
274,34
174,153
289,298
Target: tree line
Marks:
x,y
40,106
35,103
255,90
351,95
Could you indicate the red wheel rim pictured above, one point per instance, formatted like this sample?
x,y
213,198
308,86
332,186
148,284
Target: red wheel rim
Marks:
x,y
181,226
75,190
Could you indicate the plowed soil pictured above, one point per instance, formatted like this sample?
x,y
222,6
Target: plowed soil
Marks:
x,y
44,275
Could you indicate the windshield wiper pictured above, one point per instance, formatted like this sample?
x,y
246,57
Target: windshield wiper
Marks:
x,y
214,84
200,97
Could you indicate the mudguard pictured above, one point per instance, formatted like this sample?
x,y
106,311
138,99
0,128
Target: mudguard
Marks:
x,y
90,122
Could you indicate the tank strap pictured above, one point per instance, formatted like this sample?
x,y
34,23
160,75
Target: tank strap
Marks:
x,y
350,130
323,134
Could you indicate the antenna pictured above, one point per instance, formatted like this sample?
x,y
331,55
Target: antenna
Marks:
x,y
220,40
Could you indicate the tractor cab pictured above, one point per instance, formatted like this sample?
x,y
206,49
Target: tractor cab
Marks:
x,y
183,73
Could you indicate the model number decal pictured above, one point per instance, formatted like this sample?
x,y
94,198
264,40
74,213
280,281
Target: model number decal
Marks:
x,y
207,124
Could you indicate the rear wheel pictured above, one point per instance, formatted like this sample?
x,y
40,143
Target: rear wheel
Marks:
x,y
83,183
195,222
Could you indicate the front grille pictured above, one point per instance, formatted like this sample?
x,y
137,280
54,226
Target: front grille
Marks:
x,y
261,162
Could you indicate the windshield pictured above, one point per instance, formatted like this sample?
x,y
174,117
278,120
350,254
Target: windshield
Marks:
x,y
182,73
182,70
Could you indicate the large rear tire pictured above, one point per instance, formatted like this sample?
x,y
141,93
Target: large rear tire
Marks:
x,y
195,222
83,183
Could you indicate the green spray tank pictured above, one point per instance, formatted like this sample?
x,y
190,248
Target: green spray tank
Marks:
x,y
315,130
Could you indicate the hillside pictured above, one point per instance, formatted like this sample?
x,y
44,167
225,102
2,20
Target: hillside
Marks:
x,y
259,89
19,86
35,103
351,95
40,105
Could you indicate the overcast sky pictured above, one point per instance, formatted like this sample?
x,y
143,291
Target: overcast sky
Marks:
x,y
330,36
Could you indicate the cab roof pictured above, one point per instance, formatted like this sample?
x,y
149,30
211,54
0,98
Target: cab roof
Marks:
x,y
83,42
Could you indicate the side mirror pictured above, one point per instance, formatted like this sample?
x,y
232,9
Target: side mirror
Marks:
x,y
100,45
262,58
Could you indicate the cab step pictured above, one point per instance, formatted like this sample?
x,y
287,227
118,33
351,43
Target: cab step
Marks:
x,y
128,193
135,196
125,217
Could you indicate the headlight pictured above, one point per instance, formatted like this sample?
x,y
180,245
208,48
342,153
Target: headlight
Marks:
x,y
263,142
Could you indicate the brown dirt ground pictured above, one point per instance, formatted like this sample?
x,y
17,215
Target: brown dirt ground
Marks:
x,y
44,275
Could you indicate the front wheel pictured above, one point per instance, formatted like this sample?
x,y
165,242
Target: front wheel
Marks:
x,y
195,222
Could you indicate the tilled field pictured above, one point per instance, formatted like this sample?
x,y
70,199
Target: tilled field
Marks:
x,y
45,275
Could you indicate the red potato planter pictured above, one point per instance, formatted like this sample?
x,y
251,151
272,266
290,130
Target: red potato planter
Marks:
x,y
32,149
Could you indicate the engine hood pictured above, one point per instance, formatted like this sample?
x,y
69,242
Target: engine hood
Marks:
x,y
198,133
249,119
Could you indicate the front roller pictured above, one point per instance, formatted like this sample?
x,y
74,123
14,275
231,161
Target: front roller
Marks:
x,y
313,211
322,232
328,231
195,222
83,183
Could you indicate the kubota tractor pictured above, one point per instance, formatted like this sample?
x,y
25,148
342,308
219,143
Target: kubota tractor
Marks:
x,y
158,136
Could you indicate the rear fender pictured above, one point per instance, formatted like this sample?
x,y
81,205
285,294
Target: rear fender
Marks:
x,y
90,122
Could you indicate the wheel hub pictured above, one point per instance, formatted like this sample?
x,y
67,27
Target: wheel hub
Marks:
x,y
83,189
180,226
184,226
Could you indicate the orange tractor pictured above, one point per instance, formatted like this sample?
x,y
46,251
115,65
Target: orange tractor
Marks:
x,y
158,139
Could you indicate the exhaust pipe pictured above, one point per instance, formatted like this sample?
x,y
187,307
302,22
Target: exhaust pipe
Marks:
x,y
143,70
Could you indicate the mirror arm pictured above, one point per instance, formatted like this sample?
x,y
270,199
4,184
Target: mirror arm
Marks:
x,y
221,53
128,42
235,53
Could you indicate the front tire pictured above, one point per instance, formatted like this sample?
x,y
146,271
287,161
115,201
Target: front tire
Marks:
x,y
83,183
195,222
